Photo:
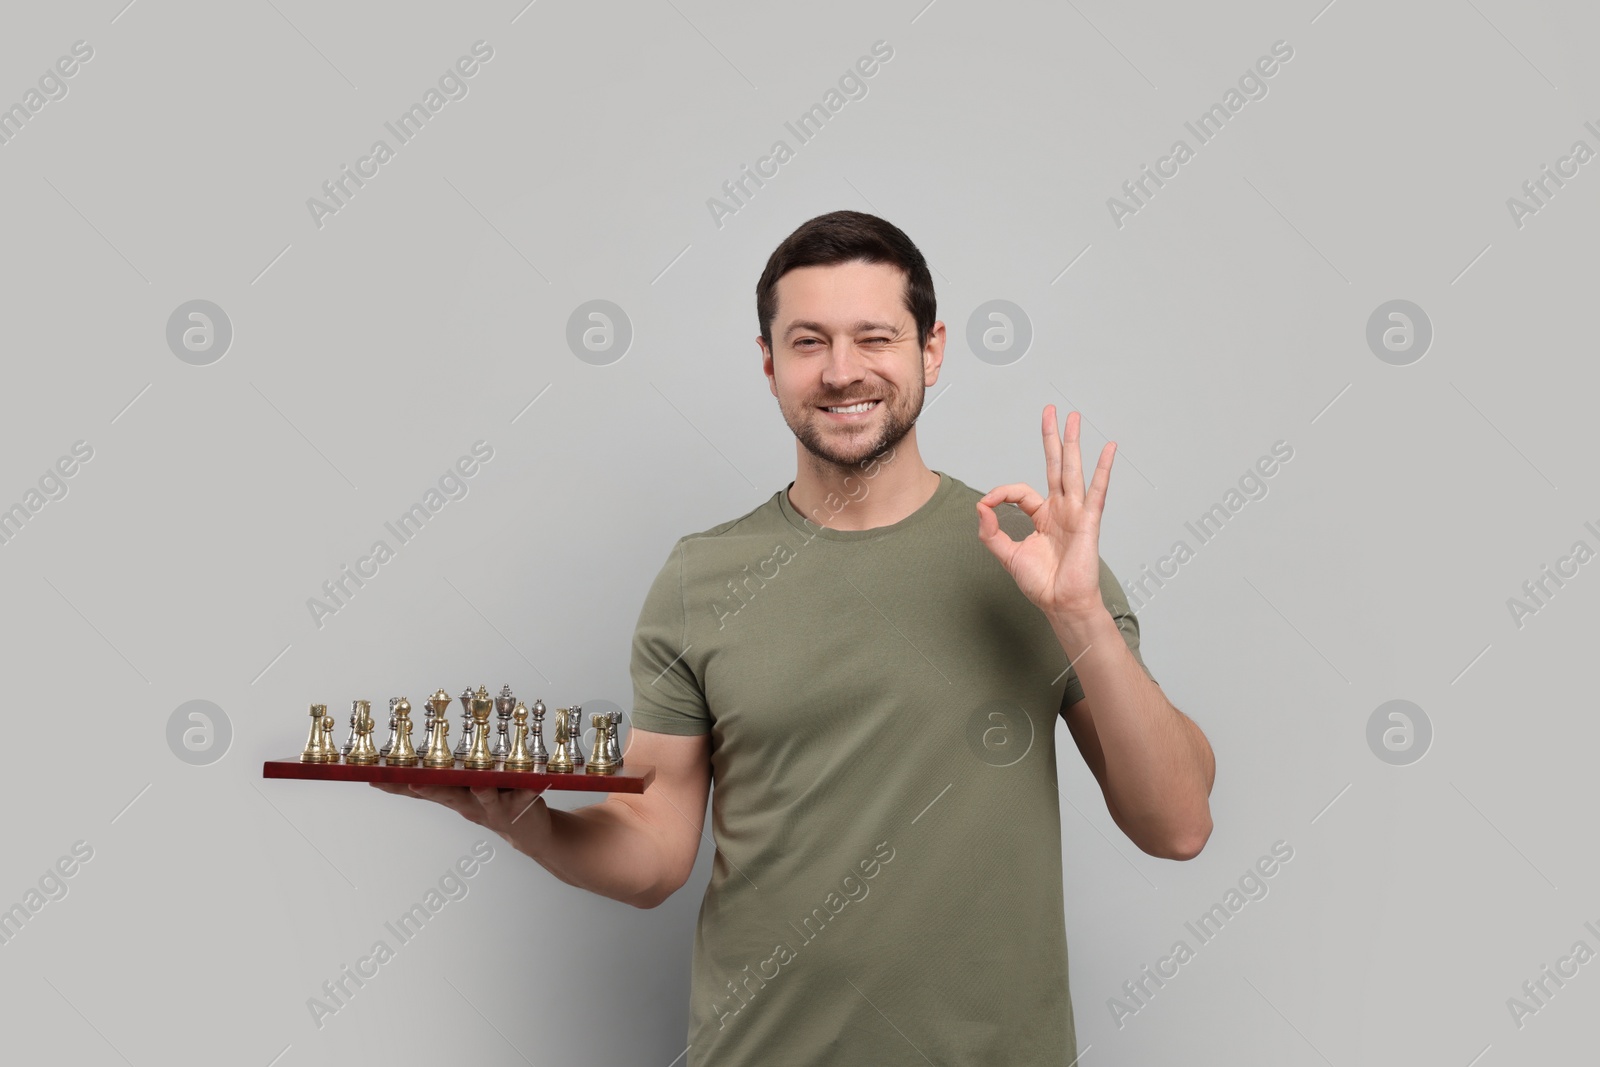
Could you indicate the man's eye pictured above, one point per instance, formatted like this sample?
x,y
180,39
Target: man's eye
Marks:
x,y
804,341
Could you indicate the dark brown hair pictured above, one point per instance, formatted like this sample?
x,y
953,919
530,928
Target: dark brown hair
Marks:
x,y
843,237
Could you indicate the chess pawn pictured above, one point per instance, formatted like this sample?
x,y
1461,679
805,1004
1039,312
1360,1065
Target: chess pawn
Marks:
x,y
613,749
575,729
519,758
316,750
465,744
362,753
600,758
438,753
480,757
561,758
329,747
541,755
403,754
504,704
389,744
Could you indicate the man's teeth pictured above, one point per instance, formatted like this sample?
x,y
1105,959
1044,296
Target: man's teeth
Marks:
x,y
865,405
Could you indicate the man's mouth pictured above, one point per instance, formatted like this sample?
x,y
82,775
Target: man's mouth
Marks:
x,y
852,410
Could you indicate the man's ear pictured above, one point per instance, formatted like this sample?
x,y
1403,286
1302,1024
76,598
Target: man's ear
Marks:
x,y
933,355
766,364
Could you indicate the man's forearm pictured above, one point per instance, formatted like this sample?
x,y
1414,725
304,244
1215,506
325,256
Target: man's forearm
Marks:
x,y
606,848
1158,765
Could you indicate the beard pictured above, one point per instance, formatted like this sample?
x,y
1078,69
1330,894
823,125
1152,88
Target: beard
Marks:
x,y
844,446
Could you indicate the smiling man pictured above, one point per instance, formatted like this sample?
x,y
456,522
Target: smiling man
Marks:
x,y
870,666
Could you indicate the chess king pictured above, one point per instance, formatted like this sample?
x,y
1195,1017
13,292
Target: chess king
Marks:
x,y
780,654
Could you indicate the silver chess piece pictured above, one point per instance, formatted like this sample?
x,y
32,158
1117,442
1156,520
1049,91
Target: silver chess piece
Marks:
x,y
575,726
464,745
541,755
394,728
503,706
613,748
350,742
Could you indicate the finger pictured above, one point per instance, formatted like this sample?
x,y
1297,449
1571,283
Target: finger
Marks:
x,y
996,540
1095,501
1072,462
521,801
455,797
1018,493
1052,451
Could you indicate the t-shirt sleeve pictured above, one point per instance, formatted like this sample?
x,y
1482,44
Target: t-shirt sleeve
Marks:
x,y
667,697
1127,622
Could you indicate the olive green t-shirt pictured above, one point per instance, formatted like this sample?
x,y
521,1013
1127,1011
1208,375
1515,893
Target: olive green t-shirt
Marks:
x,y
887,884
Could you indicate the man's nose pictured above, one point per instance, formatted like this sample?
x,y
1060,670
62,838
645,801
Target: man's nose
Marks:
x,y
844,365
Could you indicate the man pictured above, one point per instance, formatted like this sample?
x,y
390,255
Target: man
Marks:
x,y
870,665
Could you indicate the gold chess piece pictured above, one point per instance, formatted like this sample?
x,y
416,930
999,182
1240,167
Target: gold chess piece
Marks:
x,y
600,761
363,753
520,758
439,753
316,750
403,754
331,750
480,757
561,758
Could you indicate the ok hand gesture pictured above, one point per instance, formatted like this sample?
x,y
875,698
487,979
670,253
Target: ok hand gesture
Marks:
x,y
1057,566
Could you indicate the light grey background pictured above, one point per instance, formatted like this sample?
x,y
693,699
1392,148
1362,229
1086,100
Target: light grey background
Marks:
x,y
368,354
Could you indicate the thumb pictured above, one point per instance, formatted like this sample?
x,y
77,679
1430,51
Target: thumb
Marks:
x,y
996,540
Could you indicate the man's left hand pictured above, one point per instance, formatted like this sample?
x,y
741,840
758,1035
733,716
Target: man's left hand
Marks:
x,y
1058,565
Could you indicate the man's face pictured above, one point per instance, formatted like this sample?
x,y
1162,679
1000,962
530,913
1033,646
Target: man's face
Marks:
x,y
841,336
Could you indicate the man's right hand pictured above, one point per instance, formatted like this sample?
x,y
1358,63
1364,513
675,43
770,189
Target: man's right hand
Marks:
x,y
520,816
638,848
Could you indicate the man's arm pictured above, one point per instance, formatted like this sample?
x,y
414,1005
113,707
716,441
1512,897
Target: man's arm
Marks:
x,y
1154,765
638,848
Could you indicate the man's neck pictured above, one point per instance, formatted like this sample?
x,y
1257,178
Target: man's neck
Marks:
x,y
876,492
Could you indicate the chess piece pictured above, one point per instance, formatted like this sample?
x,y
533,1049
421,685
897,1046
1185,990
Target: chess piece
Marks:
x,y
389,744
350,741
362,753
465,744
403,754
518,757
541,755
613,749
504,704
427,730
575,730
439,754
329,747
561,758
480,757
600,759
316,750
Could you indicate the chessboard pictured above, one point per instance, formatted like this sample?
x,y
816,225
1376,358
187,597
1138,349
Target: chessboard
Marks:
x,y
516,758
630,779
